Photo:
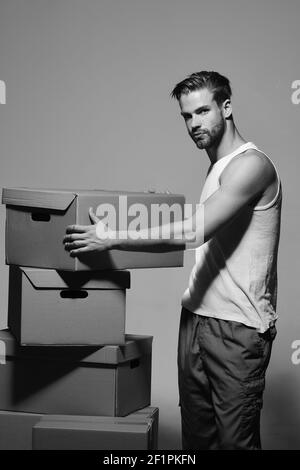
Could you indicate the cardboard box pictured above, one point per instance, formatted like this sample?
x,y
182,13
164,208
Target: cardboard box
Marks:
x,y
134,432
36,221
16,430
48,307
92,381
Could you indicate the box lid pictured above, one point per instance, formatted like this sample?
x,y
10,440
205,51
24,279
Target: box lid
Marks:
x,y
135,346
47,199
51,279
58,199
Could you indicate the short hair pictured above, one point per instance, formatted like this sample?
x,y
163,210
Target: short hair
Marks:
x,y
213,81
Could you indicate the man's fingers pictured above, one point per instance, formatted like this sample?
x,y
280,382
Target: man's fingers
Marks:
x,y
79,251
74,236
77,228
76,244
86,249
93,216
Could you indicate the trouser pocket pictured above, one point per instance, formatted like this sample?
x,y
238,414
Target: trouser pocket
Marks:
x,y
252,404
264,342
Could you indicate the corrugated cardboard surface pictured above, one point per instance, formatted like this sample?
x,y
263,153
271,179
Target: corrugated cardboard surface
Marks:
x,y
49,199
40,314
74,380
135,346
16,429
131,432
38,243
52,279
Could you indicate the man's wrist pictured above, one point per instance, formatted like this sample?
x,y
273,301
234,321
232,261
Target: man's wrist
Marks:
x,y
113,243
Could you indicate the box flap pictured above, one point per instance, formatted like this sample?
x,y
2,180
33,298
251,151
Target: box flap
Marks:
x,y
51,279
46,199
135,346
145,415
91,423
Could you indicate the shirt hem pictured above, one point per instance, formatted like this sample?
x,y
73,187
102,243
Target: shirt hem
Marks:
x,y
261,327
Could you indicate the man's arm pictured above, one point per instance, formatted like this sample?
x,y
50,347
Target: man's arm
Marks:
x,y
243,180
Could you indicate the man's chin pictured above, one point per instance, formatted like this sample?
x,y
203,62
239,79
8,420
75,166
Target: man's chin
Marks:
x,y
202,144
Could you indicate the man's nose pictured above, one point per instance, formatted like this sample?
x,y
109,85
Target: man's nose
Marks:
x,y
195,123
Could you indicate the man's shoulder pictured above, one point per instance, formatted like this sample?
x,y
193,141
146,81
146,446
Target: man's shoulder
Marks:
x,y
252,164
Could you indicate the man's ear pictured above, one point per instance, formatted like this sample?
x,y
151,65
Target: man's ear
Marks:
x,y
227,109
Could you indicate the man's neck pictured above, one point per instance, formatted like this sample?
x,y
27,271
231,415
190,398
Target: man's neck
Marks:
x,y
231,140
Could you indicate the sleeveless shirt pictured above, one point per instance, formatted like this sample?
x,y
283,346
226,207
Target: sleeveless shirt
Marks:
x,y
235,274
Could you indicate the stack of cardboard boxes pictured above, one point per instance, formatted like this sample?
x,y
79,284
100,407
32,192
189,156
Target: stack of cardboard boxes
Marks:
x,y
70,378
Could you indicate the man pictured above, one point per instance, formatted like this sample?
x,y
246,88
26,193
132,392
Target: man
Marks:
x,y
229,309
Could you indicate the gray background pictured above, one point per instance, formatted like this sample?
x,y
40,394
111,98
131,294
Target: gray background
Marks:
x,y
88,106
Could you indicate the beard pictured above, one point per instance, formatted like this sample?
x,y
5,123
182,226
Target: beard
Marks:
x,y
206,139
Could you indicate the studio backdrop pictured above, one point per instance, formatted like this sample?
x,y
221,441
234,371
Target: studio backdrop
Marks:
x,y
85,103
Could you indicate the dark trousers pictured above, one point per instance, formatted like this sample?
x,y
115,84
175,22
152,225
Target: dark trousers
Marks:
x,y
221,377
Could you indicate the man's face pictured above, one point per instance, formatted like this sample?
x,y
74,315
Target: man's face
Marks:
x,y
203,118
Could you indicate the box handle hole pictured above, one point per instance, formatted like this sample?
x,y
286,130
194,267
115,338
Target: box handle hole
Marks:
x,y
134,363
74,294
40,216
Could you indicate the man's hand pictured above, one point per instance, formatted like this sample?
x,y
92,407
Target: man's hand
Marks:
x,y
82,239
